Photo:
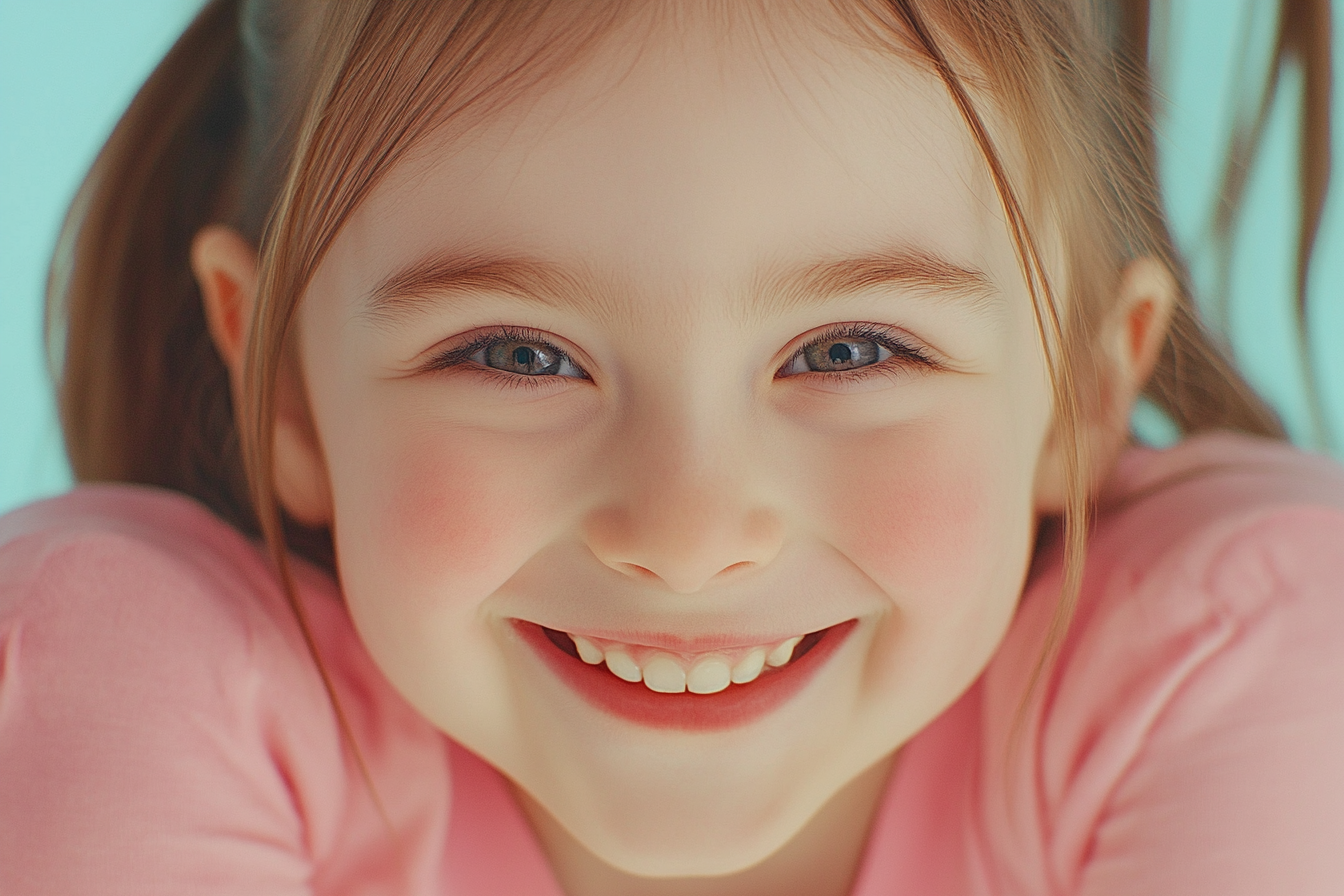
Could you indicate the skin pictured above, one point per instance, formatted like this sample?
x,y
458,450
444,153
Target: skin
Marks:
x,y
680,484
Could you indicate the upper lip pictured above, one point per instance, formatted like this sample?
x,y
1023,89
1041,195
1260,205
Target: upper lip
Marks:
x,y
676,643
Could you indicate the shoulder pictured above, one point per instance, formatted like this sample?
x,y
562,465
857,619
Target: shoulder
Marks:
x,y
1220,532
138,688
1200,506
1186,736
156,693
1210,541
140,561
124,582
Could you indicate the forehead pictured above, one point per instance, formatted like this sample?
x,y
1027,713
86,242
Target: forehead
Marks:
x,y
689,152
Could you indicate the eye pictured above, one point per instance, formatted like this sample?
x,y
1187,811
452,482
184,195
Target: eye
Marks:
x,y
526,358
857,347
831,355
518,352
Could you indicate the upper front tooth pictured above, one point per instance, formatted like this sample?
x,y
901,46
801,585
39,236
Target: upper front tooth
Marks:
x,y
709,676
749,667
664,675
783,653
589,652
622,666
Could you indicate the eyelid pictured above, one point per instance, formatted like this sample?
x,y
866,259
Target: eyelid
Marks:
x,y
906,351
474,342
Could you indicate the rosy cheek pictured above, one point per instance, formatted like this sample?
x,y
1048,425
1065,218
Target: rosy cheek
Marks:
x,y
452,518
918,512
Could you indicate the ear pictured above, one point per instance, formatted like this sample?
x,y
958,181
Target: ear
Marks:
x,y
1126,350
225,266
1132,334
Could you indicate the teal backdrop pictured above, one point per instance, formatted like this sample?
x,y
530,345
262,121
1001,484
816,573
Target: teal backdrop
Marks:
x,y
68,67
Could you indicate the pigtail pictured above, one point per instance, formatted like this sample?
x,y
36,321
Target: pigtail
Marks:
x,y
1303,38
143,395
1195,383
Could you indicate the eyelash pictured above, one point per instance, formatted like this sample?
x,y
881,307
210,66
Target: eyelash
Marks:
x,y
904,354
459,355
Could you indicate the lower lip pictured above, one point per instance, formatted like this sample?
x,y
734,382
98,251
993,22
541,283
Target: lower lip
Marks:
x,y
734,706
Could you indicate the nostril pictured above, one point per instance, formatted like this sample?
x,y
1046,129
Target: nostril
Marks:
x,y
744,564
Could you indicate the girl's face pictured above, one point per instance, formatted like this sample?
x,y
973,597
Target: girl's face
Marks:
x,y
708,346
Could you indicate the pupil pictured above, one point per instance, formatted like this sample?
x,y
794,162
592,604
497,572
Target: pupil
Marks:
x,y
841,353
834,355
522,356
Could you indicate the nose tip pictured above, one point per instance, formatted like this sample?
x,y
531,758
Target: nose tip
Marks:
x,y
683,553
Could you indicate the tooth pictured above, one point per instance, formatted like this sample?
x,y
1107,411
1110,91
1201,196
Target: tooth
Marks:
x,y
749,667
783,653
664,675
622,666
589,652
709,676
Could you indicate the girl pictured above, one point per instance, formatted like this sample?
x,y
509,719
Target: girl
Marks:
x,y
714,417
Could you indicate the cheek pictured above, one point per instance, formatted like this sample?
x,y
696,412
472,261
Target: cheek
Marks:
x,y
939,517
445,521
921,513
446,509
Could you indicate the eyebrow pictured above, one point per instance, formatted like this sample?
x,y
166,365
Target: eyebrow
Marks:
x,y
420,284
424,283
914,269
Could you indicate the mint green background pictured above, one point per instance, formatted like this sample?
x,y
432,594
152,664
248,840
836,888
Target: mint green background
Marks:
x,y
67,67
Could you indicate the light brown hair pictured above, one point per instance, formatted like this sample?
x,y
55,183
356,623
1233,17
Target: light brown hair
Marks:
x,y
280,120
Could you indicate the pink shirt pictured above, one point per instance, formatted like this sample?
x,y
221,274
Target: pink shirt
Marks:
x,y
162,729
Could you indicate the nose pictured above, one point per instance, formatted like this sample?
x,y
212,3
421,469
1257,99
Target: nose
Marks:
x,y
680,519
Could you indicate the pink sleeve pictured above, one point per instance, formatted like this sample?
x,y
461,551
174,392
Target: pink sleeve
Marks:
x,y
132,755
163,730
1238,785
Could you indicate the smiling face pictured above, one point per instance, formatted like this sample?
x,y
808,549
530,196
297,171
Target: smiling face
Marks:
x,y
704,348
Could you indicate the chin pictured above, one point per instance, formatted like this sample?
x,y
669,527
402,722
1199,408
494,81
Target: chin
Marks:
x,y
690,844
683,817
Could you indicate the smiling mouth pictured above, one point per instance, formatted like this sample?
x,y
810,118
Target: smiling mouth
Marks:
x,y
653,687
672,673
